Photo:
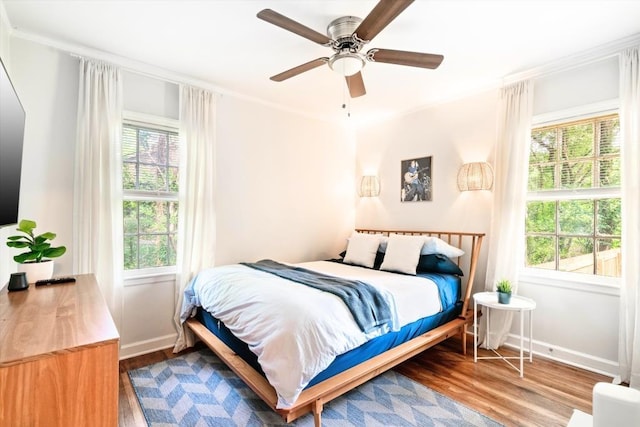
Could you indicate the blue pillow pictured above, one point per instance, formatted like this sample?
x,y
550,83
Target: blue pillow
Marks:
x,y
378,261
438,263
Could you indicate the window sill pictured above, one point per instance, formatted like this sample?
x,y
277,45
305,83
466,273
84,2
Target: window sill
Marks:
x,y
579,282
149,276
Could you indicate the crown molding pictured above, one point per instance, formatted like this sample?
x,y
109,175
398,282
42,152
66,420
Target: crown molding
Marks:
x,y
152,71
576,60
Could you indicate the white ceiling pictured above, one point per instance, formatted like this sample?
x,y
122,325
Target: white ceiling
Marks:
x,y
224,44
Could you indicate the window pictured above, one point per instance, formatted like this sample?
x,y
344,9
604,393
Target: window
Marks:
x,y
573,219
150,187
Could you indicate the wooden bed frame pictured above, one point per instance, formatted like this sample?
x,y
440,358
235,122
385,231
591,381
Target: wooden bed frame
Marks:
x,y
313,398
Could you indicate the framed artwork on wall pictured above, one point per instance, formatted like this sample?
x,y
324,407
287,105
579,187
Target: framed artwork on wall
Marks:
x,y
415,177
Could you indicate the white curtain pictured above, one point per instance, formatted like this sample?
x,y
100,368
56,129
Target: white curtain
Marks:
x,y
506,238
196,213
97,207
629,342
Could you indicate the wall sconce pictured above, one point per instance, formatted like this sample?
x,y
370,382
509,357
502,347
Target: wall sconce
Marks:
x,y
475,176
369,186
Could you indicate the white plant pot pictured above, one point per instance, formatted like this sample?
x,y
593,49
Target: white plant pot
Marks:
x,y
37,270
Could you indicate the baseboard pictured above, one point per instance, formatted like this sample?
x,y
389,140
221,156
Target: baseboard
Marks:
x,y
567,356
147,346
564,355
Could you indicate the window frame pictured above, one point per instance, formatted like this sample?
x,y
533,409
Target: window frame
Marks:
x,y
160,123
578,281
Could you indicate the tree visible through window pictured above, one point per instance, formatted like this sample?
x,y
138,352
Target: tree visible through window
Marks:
x,y
573,218
150,187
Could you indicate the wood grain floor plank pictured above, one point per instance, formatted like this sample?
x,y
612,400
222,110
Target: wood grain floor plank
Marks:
x,y
546,396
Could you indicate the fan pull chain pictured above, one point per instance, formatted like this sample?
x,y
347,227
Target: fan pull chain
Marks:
x,y
346,100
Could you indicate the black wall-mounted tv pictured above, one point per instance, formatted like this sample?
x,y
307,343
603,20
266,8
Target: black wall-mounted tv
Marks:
x,y
12,119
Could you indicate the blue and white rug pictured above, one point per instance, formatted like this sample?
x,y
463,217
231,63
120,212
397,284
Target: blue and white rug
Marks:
x,y
197,389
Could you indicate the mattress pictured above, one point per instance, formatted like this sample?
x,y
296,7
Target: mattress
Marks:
x,y
449,290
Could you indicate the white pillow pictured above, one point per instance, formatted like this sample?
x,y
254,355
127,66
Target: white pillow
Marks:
x,y
361,249
402,254
434,245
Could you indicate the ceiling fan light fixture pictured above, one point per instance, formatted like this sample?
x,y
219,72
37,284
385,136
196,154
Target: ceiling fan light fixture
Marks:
x,y
346,63
346,36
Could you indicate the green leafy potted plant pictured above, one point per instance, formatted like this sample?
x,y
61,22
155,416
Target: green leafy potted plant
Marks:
x,y
504,291
36,261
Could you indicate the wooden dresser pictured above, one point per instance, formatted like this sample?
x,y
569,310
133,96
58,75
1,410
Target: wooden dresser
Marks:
x,y
58,356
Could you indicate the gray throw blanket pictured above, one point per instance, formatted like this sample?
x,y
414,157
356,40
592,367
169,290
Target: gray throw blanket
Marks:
x,y
367,305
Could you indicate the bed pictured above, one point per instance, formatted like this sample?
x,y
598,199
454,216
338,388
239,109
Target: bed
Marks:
x,y
295,376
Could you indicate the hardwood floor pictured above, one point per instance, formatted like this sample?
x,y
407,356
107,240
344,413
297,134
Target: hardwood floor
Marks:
x,y
545,397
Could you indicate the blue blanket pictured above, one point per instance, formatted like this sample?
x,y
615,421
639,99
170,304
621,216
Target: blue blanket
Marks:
x,y
367,305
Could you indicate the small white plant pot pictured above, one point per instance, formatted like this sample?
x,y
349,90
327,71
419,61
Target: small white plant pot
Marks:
x,y
37,270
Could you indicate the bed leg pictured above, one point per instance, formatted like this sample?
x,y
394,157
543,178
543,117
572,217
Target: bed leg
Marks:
x,y
317,413
464,339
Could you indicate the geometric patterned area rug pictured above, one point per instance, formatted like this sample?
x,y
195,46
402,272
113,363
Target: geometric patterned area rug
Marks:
x,y
197,389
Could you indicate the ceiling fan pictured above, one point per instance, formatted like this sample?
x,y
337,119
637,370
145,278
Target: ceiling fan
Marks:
x,y
347,36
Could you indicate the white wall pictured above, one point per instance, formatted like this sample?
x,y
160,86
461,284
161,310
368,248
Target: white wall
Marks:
x,y
4,35
588,84
575,324
147,95
47,83
453,133
284,184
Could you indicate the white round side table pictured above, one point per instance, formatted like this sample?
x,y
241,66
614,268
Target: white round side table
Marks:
x,y
517,303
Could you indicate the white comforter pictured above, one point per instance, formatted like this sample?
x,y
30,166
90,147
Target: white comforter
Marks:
x,y
295,330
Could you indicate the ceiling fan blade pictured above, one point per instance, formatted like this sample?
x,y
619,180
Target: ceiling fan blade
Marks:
x,y
381,15
299,69
401,57
289,24
356,85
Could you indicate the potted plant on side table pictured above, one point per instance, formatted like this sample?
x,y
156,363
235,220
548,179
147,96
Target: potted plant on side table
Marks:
x,y
504,291
36,261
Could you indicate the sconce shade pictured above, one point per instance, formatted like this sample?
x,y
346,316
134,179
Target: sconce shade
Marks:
x,y
475,176
369,186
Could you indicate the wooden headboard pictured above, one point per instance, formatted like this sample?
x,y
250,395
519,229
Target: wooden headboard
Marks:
x,y
470,243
